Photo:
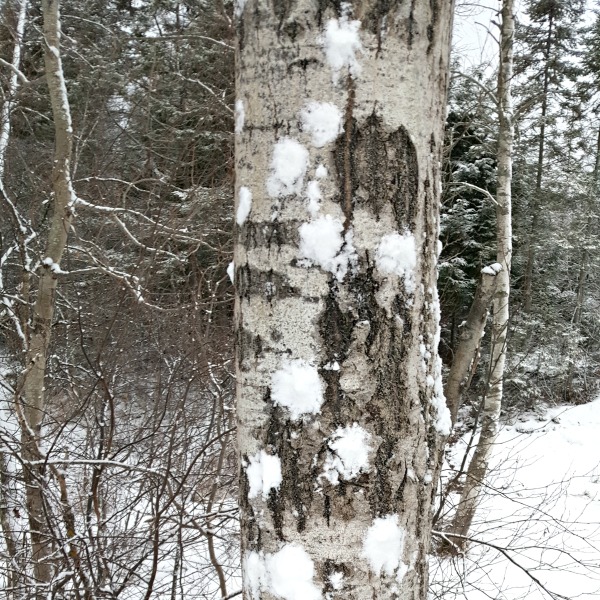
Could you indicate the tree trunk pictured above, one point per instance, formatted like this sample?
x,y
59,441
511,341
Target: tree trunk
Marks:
x,y
32,392
493,399
341,411
470,339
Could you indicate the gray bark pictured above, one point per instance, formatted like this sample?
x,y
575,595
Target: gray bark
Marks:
x,y
493,399
350,326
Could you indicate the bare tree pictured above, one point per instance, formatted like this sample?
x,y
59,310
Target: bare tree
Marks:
x,y
493,397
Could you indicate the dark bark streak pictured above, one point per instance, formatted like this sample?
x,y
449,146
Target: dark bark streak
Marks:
x,y
433,26
380,498
383,169
348,127
411,24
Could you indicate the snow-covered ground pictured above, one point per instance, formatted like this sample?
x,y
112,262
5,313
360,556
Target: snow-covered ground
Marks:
x,y
540,517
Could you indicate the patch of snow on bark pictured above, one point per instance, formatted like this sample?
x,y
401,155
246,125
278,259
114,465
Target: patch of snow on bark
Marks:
x,y
492,269
291,572
332,366
348,454
397,255
322,243
244,205
443,421
297,387
314,197
288,168
341,43
231,271
384,544
323,120
336,579
321,172
264,474
255,574
240,116
402,571
238,7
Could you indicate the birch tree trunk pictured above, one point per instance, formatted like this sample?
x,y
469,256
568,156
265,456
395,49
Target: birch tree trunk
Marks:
x,y
32,401
493,399
340,405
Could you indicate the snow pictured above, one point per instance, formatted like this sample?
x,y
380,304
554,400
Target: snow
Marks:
x,y
492,269
255,573
288,574
348,454
323,121
322,243
288,168
244,205
240,116
443,420
53,266
231,271
238,8
321,172
297,387
541,504
314,197
332,366
291,572
384,544
264,474
336,579
321,240
341,43
397,255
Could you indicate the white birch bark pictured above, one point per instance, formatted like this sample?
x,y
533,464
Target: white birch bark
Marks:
x,y
493,399
340,406
32,392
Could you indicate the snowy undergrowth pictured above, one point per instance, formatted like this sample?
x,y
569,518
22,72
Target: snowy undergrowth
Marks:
x,y
541,506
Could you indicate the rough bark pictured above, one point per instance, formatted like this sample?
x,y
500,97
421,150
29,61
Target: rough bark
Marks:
x,y
369,337
469,341
493,398
32,392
